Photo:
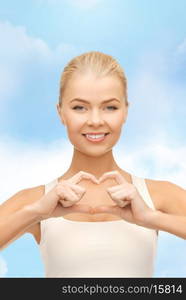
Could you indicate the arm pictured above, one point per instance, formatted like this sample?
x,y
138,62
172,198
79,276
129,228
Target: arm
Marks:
x,y
170,215
30,206
16,216
15,225
170,223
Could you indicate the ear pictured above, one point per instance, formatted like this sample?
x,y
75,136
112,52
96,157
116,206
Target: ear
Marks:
x,y
60,114
126,114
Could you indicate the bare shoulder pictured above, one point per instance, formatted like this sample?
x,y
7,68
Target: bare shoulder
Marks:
x,y
22,197
167,196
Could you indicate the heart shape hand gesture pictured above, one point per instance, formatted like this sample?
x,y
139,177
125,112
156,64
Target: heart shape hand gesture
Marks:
x,y
129,205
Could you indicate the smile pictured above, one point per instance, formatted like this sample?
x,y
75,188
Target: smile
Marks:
x,y
95,138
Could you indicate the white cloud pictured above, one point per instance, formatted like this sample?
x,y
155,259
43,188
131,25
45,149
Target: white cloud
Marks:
x,y
157,101
25,165
3,267
150,89
9,82
19,52
155,160
18,48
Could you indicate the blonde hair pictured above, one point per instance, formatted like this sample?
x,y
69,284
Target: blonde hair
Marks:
x,y
95,62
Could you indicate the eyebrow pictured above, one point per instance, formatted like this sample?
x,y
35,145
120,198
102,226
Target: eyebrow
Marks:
x,y
105,101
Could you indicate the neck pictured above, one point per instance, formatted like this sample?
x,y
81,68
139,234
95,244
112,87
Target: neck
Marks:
x,y
94,165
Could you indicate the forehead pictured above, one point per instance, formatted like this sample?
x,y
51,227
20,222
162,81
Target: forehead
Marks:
x,y
90,87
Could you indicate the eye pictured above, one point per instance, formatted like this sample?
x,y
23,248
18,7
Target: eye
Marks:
x,y
77,106
114,107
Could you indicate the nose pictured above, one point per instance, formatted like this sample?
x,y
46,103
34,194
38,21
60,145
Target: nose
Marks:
x,y
95,118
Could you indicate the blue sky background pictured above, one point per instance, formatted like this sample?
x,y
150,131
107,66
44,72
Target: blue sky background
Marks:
x,y
37,39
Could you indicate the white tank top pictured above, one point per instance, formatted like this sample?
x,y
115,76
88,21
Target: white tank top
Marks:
x,y
98,249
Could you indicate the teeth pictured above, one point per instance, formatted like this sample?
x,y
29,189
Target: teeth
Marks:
x,y
97,136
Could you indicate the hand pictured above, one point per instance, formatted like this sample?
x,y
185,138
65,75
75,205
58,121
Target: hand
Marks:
x,y
130,206
68,190
62,199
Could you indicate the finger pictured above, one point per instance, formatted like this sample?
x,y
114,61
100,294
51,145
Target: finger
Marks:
x,y
69,195
77,188
113,174
66,203
83,175
122,203
74,187
119,199
78,192
114,188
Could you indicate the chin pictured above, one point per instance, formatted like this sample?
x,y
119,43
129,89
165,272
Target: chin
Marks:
x,y
96,153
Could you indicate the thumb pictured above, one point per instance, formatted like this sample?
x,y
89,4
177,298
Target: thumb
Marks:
x,y
110,209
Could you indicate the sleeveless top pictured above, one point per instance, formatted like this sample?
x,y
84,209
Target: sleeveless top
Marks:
x,y
98,249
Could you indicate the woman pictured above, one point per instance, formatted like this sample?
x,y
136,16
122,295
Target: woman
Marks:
x,y
96,220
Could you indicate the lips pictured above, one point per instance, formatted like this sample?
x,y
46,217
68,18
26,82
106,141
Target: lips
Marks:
x,y
95,138
93,133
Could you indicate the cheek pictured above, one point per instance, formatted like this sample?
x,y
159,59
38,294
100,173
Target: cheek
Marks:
x,y
115,122
74,122
74,127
